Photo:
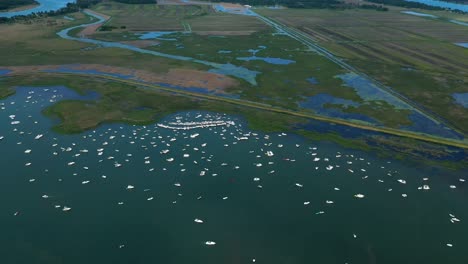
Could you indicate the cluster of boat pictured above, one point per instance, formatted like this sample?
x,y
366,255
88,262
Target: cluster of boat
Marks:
x,y
189,157
195,125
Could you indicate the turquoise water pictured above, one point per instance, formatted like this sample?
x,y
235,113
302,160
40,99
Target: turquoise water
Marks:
x,y
461,98
443,4
157,35
285,208
277,61
44,6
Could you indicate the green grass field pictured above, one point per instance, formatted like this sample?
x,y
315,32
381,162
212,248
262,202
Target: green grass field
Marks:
x,y
197,18
124,103
36,43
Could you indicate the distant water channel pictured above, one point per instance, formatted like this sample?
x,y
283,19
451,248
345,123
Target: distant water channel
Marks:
x,y
44,6
146,194
227,68
443,4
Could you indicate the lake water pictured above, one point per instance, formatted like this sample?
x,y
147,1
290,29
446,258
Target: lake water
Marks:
x,y
138,194
44,6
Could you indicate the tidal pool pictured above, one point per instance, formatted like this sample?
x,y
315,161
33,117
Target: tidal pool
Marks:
x,y
4,71
123,193
277,61
461,98
313,80
318,101
156,35
422,123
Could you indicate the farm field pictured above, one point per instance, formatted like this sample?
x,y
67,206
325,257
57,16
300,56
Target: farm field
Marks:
x,y
200,19
415,56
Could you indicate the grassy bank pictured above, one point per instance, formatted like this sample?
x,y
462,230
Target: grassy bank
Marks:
x,y
415,56
124,103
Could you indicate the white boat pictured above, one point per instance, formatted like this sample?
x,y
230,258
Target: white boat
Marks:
x,y
210,243
65,209
199,221
38,136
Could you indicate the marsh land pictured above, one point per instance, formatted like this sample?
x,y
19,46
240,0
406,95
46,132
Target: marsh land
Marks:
x,y
368,82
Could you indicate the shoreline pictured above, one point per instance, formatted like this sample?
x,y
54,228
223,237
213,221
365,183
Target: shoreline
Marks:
x,y
384,130
20,8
